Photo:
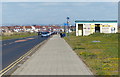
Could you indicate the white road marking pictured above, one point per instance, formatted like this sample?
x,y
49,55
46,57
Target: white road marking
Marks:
x,y
4,44
10,43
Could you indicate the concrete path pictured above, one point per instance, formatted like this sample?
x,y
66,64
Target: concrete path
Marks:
x,y
55,57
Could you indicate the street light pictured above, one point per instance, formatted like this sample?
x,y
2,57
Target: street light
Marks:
x,y
68,25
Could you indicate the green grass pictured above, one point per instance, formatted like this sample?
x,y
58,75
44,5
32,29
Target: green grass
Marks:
x,y
17,35
101,57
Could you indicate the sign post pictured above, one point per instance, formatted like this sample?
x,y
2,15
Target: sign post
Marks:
x,y
68,25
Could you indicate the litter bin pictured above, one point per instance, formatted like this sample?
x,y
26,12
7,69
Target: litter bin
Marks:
x,y
63,35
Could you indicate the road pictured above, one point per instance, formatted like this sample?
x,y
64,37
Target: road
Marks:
x,y
14,48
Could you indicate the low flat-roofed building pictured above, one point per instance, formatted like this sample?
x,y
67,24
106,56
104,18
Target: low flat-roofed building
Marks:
x,y
87,27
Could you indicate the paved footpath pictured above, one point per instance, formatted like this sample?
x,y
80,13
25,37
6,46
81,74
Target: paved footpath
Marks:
x,y
55,57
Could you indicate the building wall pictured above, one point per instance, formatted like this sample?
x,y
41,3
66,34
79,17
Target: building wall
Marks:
x,y
89,28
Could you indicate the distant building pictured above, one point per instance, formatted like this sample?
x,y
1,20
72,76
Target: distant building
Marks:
x,y
4,29
84,28
18,28
37,28
28,29
11,28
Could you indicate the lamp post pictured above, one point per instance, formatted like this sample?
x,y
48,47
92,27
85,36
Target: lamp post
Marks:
x,y
68,25
64,27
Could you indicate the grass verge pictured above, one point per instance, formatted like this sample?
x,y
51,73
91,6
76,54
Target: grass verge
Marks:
x,y
17,35
99,51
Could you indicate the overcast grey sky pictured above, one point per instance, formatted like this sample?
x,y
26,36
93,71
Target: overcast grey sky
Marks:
x,y
56,12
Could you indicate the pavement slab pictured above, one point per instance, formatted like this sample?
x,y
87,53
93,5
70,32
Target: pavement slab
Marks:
x,y
55,57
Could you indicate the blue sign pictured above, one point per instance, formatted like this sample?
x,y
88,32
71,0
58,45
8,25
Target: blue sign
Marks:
x,y
65,24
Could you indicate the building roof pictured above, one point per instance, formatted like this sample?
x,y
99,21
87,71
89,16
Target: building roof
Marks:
x,y
18,27
37,26
11,27
94,21
4,27
28,27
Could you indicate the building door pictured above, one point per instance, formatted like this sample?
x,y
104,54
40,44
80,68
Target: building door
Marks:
x,y
97,27
80,29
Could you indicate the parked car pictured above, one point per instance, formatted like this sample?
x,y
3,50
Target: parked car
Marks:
x,y
45,34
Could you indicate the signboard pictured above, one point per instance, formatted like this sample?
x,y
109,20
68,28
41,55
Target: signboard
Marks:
x,y
87,29
65,24
105,29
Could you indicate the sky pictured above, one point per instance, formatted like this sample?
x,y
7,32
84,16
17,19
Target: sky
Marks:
x,y
60,0
56,12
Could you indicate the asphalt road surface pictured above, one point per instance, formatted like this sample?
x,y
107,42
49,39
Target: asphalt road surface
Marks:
x,y
14,48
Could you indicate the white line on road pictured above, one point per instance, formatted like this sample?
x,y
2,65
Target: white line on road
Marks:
x,y
4,44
